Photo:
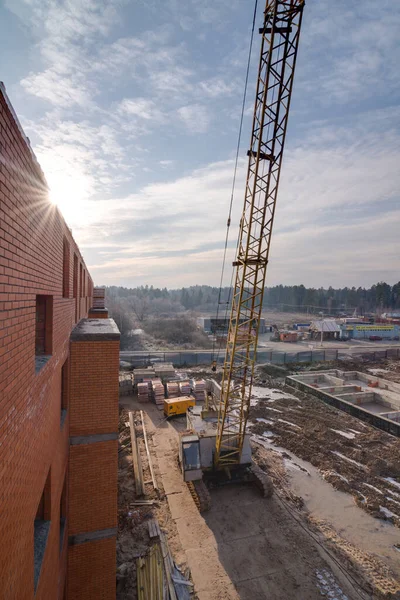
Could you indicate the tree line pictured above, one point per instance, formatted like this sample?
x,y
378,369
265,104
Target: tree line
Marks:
x,y
147,300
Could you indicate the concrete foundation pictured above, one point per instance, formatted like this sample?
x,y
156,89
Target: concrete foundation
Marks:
x,y
367,397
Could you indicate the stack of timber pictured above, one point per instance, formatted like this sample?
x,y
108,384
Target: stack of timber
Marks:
x,y
144,393
172,389
158,577
199,389
158,392
184,388
139,375
136,460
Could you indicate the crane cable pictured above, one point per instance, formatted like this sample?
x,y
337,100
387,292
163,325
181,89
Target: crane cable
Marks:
x,y
227,303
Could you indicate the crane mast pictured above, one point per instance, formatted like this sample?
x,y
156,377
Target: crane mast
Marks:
x,y
279,43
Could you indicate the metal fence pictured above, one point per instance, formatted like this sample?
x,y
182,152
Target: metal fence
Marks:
x,y
190,358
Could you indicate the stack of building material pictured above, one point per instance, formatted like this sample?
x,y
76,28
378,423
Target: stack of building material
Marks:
x,y
184,388
140,375
165,371
172,389
99,296
158,392
199,389
144,393
125,384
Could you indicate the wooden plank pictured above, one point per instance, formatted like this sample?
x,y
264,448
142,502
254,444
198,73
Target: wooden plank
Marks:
x,y
167,566
153,477
135,457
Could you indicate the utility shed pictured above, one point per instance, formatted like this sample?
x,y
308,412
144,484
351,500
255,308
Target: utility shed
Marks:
x,y
327,327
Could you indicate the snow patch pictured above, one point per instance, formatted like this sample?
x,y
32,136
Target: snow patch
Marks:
x,y
346,434
391,500
267,421
388,513
392,481
289,423
374,488
354,462
395,494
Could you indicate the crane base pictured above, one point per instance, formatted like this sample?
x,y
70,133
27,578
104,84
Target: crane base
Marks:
x,y
250,473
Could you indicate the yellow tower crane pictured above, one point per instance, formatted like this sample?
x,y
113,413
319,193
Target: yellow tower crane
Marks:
x,y
226,449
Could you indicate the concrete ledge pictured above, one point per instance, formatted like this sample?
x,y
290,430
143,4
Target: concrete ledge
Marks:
x,y
91,536
95,330
92,439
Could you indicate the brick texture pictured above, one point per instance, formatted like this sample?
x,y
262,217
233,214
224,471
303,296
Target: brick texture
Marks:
x,y
94,387
93,467
93,487
34,241
83,582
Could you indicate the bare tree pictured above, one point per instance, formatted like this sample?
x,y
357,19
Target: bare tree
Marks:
x,y
140,307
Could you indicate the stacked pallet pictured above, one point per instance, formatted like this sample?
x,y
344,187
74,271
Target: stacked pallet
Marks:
x,y
199,389
139,375
165,371
158,392
172,389
144,393
184,388
125,384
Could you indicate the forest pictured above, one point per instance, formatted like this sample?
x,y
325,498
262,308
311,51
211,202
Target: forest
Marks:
x,y
148,300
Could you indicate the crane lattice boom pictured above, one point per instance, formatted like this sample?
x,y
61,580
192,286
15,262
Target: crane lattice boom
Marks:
x,y
280,37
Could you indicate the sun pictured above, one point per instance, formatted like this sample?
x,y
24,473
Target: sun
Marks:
x,y
69,189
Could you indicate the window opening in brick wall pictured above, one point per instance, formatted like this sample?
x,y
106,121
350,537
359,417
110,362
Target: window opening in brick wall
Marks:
x,y
43,330
66,268
63,511
81,281
41,529
64,391
75,286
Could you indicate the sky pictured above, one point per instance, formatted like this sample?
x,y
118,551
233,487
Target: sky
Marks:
x,y
133,107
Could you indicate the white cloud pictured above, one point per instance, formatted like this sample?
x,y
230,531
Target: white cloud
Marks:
x,y
140,107
195,117
57,89
336,222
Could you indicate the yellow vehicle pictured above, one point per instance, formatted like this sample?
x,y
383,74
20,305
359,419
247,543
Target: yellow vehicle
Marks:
x,y
178,406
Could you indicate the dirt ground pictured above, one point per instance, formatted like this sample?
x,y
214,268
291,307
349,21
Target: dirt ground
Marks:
x,y
352,456
244,547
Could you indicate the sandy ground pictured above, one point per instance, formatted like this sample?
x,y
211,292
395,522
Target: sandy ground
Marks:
x,y
248,547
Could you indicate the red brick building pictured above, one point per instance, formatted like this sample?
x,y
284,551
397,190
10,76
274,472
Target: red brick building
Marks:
x,y
58,397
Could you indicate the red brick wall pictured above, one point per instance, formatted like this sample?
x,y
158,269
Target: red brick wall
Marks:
x,y
93,485
93,463
86,583
32,234
93,394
